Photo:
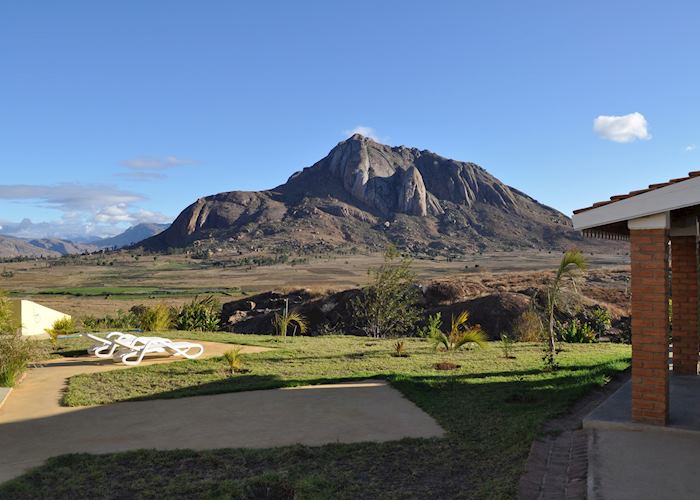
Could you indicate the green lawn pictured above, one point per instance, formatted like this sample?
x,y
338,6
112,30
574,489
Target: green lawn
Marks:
x,y
492,408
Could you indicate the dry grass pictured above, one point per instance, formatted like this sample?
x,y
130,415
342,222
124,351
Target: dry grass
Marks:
x,y
496,271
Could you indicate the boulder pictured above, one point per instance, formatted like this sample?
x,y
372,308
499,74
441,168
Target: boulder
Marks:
x,y
495,313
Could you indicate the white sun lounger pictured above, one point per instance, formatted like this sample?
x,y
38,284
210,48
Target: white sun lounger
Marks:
x,y
106,346
133,353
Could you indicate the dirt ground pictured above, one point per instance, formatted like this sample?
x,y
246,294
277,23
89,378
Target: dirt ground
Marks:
x,y
184,277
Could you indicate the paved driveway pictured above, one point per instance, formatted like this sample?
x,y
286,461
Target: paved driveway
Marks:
x,y
33,427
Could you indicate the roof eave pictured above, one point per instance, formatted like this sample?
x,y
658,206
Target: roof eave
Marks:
x,y
671,197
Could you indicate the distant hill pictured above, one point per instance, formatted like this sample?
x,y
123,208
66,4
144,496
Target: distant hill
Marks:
x,y
132,235
11,247
62,247
364,195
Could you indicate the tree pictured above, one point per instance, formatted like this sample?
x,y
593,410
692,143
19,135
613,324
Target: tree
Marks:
x,y
572,265
388,306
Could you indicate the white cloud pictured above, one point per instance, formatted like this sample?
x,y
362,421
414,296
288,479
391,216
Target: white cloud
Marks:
x,y
626,128
689,147
148,163
86,210
116,214
69,197
362,130
149,168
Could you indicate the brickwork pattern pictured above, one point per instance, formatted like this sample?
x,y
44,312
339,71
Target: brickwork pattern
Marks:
x,y
650,325
684,287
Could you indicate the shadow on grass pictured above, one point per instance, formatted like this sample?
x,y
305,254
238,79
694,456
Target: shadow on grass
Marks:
x,y
489,424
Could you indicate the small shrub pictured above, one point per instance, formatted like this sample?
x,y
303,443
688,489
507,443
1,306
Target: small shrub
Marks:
x,y
432,328
507,345
528,327
199,315
234,359
576,332
460,335
400,349
8,322
123,320
156,318
600,320
62,326
16,353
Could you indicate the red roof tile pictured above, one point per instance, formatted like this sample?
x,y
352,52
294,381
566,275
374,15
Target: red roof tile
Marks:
x,y
652,187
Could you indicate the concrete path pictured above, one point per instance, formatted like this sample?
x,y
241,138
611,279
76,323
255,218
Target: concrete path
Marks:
x,y
628,460
33,427
39,395
684,413
643,465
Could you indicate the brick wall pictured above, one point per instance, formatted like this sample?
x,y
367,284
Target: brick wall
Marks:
x,y
650,326
684,285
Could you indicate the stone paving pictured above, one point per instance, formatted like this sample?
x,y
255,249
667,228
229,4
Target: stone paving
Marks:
x,y
557,466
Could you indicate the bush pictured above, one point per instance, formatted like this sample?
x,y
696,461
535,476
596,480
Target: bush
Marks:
x,y
122,321
201,315
16,353
528,327
8,323
600,320
432,327
575,332
387,307
62,326
156,318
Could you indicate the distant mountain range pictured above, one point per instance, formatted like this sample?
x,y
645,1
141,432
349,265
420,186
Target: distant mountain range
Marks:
x,y
132,235
365,195
11,246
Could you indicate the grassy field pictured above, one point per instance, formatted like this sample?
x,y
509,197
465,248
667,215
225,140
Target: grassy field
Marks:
x,y
491,407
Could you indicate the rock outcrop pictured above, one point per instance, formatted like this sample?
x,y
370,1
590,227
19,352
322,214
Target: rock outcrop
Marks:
x,y
366,193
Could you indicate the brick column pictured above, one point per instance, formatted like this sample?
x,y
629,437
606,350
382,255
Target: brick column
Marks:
x,y
684,287
650,326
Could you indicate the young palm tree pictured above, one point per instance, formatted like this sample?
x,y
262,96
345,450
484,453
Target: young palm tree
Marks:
x,y
572,264
282,322
234,359
460,334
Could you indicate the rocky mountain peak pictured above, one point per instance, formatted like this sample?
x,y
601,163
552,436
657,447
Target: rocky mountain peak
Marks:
x,y
358,188
405,180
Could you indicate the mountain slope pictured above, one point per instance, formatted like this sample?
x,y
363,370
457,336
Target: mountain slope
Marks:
x,y
132,235
366,194
11,247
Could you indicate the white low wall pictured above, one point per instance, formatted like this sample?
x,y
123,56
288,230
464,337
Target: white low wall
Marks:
x,y
35,318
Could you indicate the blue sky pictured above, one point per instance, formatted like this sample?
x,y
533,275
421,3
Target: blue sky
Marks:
x,y
117,112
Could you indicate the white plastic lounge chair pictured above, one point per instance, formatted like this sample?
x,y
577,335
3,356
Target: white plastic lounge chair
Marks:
x,y
133,353
105,347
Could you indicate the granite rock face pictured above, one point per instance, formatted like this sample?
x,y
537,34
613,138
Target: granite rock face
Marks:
x,y
367,193
406,180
